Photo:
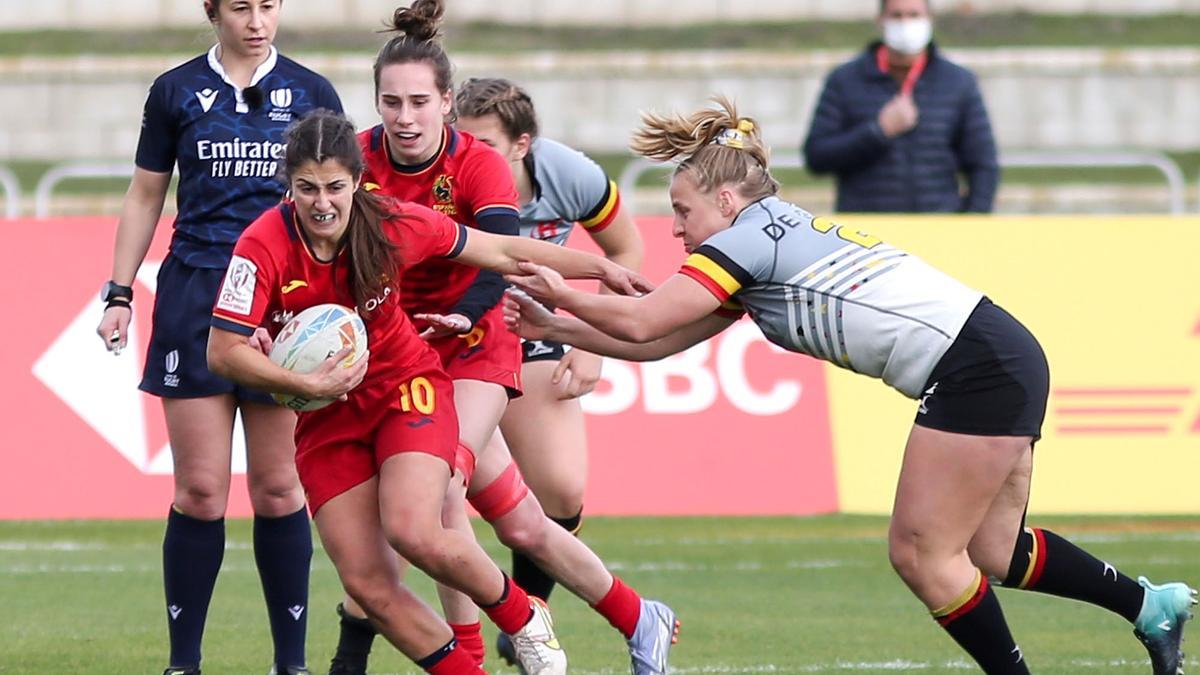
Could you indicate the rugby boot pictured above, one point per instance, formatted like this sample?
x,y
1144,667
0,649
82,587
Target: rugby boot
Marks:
x,y
536,646
1159,626
657,629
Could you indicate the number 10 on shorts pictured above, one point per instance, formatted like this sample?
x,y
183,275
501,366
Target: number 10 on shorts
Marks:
x,y
418,395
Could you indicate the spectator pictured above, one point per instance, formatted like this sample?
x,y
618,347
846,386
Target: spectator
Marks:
x,y
897,124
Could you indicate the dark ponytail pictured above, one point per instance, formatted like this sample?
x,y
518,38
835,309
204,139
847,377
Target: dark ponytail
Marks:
x,y
322,136
418,41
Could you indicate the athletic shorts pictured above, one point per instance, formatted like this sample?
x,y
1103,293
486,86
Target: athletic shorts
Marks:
x,y
344,444
177,359
993,381
490,353
541,350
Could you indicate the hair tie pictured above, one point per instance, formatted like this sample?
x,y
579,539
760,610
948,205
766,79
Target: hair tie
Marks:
x,y
731,138
745,126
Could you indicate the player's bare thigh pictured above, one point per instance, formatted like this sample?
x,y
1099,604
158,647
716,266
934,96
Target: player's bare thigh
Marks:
x,y
547,438
948,483
480,406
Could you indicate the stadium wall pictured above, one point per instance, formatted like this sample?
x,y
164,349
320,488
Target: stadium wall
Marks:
x,y
118,14
734,426
90,107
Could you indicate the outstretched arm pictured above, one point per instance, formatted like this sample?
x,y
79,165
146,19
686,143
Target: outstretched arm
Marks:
x,y
679,302
505,254
532,321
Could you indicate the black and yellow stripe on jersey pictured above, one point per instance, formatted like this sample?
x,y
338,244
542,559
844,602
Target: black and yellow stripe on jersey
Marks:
x,y
605,211
716,272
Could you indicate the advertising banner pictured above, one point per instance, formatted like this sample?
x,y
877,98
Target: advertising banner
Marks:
x,y
733,426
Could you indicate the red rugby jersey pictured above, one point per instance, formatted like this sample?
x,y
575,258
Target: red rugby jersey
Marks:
x,y
274,275
465,179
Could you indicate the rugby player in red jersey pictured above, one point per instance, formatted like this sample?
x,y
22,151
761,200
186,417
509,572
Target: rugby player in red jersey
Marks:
x,y
414,155
376,466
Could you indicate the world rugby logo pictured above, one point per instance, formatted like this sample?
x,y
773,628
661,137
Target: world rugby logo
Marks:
x,y
281,98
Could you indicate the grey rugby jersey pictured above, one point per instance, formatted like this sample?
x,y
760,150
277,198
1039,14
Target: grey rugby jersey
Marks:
x,y
568,188
818,288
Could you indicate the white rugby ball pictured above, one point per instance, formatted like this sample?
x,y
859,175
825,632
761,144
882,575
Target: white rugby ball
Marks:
x,y
311,337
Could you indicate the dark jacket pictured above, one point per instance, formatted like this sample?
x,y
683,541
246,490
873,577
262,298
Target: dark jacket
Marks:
x,y
915,171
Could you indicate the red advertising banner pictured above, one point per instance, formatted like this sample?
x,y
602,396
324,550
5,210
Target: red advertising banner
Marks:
x,y
733,426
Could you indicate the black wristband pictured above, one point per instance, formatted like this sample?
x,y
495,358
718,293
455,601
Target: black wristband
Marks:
x,y
118,302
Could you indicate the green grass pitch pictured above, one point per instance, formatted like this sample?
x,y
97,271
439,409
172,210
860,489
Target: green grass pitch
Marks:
x,y
756,595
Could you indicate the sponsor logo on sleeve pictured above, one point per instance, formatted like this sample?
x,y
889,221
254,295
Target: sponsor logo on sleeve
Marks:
x,y
237,292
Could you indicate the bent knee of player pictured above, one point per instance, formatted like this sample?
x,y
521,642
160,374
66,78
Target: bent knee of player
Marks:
x,y
524,528
419,543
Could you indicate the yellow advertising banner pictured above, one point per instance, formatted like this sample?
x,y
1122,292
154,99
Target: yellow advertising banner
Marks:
x,y
1115,302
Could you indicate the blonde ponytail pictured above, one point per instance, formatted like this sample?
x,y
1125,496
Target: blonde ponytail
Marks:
x,y
718,146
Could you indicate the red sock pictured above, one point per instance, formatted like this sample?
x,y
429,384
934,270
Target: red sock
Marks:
x,y
451,660
470,639
621,606
512,612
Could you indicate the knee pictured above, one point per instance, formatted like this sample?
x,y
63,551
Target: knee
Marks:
x,y
419,543
201,496
370,589
904,554
275,493
566,502
521,530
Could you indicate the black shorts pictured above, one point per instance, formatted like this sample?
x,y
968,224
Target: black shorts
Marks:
x,y
993,381
541,350
177,360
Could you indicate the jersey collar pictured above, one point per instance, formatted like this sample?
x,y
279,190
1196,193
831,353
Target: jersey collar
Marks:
x,y
447,148
259,73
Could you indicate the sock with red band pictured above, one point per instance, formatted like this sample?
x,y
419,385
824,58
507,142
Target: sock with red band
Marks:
x,y
976,623
621,606
470,640
512,611
1045,562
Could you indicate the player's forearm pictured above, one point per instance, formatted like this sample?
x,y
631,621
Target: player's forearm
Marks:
x,y
619,316
572,331
236,360
570,263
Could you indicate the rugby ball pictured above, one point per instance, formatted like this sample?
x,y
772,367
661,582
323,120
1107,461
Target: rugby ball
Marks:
x,y
312,336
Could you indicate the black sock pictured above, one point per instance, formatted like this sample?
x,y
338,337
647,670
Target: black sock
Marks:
x,y
283,552
192,554
354,640
528,575
976,623
1045,562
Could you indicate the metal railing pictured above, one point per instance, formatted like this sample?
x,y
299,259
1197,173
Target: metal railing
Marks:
x,y
12,192
1176,187
1173,175
57,174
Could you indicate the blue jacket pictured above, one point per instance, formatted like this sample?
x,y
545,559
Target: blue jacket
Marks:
x,y
916,171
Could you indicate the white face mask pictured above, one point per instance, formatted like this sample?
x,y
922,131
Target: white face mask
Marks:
x,y
907,36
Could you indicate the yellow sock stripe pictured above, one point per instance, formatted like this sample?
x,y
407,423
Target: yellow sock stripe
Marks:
x,y
962,599
1033,558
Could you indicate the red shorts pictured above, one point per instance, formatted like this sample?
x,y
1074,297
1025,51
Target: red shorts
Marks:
x,y
490,353
344,444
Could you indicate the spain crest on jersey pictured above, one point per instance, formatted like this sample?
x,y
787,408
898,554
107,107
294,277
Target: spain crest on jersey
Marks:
x,y
443,195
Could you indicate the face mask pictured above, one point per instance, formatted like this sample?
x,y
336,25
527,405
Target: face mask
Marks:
x,y
907,36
